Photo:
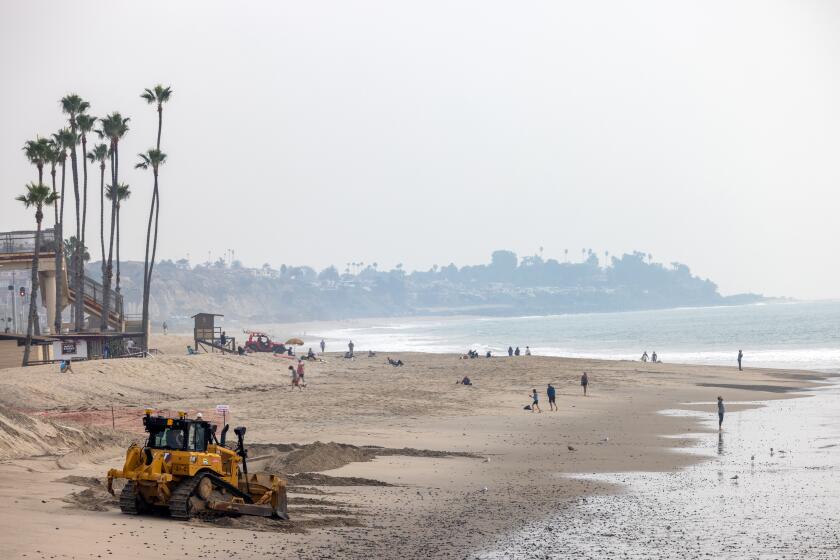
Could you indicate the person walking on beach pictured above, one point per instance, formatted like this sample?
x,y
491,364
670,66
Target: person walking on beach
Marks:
x,y
351,346
295,379
164,327
584,382
510,351
527,350
323,345
552,397
721,410
740,357
535,405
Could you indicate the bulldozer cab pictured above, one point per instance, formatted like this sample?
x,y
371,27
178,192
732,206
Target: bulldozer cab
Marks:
x,y
178,434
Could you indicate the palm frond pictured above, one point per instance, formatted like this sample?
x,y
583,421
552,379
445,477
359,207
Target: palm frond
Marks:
x,y
85,123
37,194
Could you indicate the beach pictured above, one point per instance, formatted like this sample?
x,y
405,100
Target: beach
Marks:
x,y
411,464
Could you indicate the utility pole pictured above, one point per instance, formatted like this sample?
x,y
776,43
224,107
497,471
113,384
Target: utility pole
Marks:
x,y
12,294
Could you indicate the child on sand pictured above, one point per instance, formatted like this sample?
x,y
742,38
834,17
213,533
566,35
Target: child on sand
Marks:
x,y
300,373
295,379
584,382
536,404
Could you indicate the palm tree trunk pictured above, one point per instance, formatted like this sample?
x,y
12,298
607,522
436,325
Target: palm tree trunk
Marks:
x,y
74,278
160,123
102,215
80,288
150,265
33,292
117,286
154,243
55,227
106,303
144,316
37,328
59,252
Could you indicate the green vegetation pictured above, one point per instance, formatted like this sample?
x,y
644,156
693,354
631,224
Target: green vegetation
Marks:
x,y
507,285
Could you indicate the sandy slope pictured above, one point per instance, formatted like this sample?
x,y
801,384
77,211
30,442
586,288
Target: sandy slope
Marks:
x,y
435,505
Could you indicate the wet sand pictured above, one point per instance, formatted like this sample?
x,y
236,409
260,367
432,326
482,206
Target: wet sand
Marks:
x,y
768,488
479,466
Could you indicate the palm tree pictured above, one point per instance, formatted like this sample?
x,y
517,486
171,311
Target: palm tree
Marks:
x,y
100,154
37,152
123,192
158,95
79,255
73,106
54,157
72,246
37,195
85,124
114,127
153,159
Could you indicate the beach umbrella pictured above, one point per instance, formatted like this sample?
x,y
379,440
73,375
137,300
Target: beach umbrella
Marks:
x,y
295,341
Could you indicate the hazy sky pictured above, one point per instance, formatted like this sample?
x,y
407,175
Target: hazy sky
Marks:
x,y
434,132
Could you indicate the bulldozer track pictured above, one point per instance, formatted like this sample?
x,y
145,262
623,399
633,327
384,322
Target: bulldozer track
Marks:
x,y
128,499
179,501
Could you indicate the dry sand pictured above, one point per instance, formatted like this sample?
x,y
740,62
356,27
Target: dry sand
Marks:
x,y
410,464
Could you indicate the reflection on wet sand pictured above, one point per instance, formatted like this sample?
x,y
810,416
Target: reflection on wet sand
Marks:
x,y
769,491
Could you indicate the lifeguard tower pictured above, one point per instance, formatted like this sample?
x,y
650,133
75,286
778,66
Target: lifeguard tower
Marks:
x,y
209,337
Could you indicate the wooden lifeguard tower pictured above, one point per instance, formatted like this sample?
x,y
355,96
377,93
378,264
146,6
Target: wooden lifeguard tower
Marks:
x,y
208,336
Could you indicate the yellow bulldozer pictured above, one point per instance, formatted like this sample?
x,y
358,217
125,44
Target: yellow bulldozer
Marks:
x,y
186,469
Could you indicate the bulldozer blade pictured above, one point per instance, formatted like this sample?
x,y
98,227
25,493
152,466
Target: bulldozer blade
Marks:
x,y
243,509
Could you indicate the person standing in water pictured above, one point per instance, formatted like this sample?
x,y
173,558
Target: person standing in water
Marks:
x,y
721,410
323,345
535,405
740,357
584,382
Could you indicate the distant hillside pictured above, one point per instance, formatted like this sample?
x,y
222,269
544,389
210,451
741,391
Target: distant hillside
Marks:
x,y
505,286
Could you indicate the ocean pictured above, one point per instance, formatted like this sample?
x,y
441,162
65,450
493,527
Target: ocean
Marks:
x,y
801,335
